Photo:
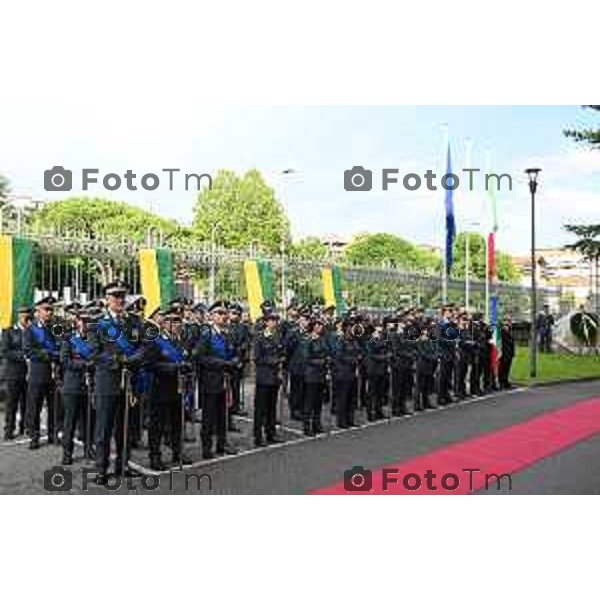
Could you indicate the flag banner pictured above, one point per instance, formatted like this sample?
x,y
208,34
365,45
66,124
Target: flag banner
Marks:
x,y
450,221
332,288
157,277
260,285
16,277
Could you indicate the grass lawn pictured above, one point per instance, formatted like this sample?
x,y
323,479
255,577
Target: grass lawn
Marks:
x,y
554,367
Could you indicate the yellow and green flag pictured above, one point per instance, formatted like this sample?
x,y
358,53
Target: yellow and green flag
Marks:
x,y
332,288
157,277
16,277
260,285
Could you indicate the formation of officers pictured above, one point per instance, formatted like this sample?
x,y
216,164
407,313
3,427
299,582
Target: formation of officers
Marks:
x,y
104,372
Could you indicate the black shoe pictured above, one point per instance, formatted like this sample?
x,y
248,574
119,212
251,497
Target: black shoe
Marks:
x,y
34,445
182,459
121,472
226,449
51,439
9,436
207,454
101,479
274,440
240,412
156,464
67,460
260,443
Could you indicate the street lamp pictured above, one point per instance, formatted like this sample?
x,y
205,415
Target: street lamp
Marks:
x,y
533,174
213,259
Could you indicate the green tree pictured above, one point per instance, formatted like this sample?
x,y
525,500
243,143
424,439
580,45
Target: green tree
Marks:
x,y
385,249
4,188
242,212
587,136
477,259
310,248
97,216
588,245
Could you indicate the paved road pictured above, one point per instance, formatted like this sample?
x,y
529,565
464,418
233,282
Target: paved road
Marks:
x,y
304,465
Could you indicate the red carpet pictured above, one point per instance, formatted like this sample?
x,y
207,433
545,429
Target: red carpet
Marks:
x,y
504,451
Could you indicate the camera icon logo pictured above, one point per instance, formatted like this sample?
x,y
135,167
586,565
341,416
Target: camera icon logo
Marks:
x,y
358,479
58,479
58,179
358,179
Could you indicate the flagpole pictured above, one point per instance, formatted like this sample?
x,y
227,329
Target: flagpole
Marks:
x,y
446,138
468,159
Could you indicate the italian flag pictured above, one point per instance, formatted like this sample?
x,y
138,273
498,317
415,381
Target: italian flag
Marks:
x,y
493,279
260,285
16,277
157,277
332,288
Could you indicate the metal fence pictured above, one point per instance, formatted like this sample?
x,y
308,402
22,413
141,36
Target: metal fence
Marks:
x,y
71,265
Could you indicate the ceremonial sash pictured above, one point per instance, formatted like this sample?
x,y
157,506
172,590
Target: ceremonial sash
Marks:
x,y
169,350
81,347
112,329
41,336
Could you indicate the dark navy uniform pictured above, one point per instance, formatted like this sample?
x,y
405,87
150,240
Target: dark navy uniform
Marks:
x,y
346,358
216,356
427,359
506,358
241,339
169,370
294,342
14,376
116,354
316,351
42,350
403,372
75,353
377,361
269,355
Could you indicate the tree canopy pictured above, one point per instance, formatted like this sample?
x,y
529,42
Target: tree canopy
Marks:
x,y
309,248
97,216
385,249
587,136
477,259
242,211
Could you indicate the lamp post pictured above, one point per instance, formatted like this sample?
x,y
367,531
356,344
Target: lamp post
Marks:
x,y
533,174
213,259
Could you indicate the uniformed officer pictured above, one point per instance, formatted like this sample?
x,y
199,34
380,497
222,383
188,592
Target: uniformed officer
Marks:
x,y
295,343
241,340
346,358
316,357
215,353
447,333
42,351
75,354
116,354
508,353
15,372
403,366
427,359
377,360
170,368
269,356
